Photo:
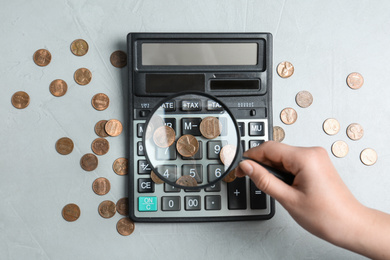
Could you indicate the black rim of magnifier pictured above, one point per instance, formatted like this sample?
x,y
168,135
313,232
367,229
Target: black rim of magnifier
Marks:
x,y
238,148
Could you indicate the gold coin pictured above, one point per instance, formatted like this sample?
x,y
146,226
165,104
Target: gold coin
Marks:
x,y
125,226
187,145
121,166
122,206
231,176
210,127
113,127
20,100
164,136
355,80
155,178
227,154
100,101
107,209
101,186
278,134
187,181
355,131
58,87
42,57
82,76
368,156
118,59
288,116
340,149
331,126
64,146
304,99
71,212
99,128
79,47
285,69
89,162
100,146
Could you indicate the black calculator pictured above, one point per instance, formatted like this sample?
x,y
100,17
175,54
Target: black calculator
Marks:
x,y
234,67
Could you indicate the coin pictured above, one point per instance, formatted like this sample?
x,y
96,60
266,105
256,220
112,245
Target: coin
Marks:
x,y
122,206
64,145
278,134
164,136
118,59
368,156
42,57
285,69
155,178
187,181
89,162
231,176
340,149
101,186
58,87
304,98
20,100
227,154
355,80
82,76
210,127
187,145
100,146
121,166
107,209
71,212
79,47
288,116
113,127
331,126
125,226
355,131
99,128
100,101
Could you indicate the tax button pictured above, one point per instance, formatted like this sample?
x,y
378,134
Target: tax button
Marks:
x,y
147,203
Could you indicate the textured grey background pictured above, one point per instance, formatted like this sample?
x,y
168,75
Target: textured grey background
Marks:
x,y
325,40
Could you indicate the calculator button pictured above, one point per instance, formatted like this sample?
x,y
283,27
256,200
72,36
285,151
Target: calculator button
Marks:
x,y
171,122
213,106
241,127
147,203
144,113
257,197
168,153
140,149
168,171
191,105
214,148
143,167
195,171
169,106
198,155
170,188
214,171
255,143
192,202
237,194
145,185
190,126
170,203
214,188
212,202
140,129
256,128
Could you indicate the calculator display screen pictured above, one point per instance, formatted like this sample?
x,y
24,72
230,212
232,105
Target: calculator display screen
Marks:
x,y
199,54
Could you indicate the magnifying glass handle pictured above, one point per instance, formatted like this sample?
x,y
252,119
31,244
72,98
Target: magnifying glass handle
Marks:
x,y
285,177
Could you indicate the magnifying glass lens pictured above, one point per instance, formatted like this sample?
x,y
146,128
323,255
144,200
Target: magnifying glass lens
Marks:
x,y
191,140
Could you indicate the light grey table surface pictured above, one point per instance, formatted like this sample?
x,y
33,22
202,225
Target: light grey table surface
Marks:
x,y
325,40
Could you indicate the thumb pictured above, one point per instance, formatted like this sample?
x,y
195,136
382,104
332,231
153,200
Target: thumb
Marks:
x,y
266,181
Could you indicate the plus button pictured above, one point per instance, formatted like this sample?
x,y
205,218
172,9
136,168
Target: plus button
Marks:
x,y
236,193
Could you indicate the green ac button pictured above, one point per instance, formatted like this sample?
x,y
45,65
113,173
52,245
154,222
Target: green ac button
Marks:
x,y
147,203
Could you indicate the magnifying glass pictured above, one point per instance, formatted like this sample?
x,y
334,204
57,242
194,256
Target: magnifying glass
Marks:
x,y
192,140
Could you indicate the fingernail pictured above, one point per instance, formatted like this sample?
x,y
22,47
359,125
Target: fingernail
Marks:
x,y
246,168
